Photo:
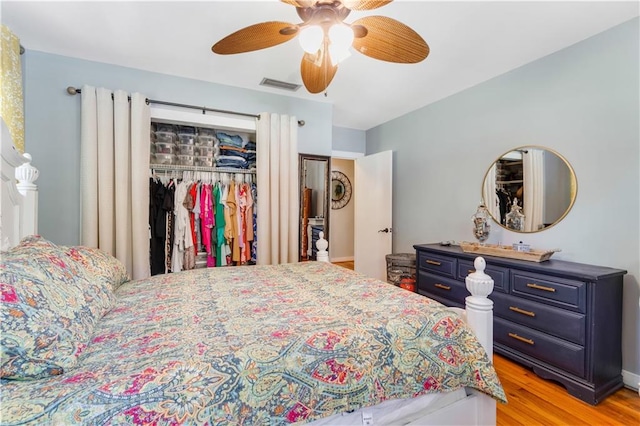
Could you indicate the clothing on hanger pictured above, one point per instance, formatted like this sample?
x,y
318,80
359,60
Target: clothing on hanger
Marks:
x,y
212,213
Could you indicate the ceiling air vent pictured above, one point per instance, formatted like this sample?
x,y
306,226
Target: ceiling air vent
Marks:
x,y
277,84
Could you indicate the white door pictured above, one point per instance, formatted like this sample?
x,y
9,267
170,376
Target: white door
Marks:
x,y
372,198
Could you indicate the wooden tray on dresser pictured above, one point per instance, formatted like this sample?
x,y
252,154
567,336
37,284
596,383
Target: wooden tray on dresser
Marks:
x,y
507,251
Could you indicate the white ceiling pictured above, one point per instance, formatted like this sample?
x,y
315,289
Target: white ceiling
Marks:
x,y
470,42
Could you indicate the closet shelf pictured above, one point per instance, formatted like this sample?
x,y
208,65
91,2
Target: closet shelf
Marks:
x,y
176,167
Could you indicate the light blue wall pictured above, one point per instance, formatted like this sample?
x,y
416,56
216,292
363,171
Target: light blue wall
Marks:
x,y
52,123
582,102
351,140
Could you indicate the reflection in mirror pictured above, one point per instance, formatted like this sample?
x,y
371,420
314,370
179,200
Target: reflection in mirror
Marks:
x,y
529,189
314,203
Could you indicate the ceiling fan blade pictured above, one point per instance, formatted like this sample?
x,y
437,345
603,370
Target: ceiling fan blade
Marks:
x,y
364,4
299,3
390,40
317,73
256,37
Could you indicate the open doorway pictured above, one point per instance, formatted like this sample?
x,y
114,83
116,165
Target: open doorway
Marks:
x,y
342,216
368,224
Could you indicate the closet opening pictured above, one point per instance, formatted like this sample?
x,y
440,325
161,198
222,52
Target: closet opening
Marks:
x,y
202,191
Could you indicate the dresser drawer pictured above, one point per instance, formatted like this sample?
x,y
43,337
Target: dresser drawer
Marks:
x,y
558,291
442,288
499,275
567,325
443,265
557,352
564,317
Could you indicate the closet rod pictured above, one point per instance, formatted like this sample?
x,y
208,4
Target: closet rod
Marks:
x,y
177,167
74,91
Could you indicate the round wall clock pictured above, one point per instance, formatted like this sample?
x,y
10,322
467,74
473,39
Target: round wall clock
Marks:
x,y
340,190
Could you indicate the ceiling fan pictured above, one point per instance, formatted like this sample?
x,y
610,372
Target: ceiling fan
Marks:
x,y
326,38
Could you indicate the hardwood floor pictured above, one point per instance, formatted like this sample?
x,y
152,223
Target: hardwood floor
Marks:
x,y
535,401
348,265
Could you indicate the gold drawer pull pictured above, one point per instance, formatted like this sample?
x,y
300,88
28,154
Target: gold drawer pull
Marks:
x,y
522,311
522,339
471,271
442,286
541,287
433,262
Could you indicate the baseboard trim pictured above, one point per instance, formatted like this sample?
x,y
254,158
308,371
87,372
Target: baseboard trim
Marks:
x,y
342,259
631,380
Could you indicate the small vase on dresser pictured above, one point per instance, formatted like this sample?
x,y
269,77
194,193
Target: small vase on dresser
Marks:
x,y
562,319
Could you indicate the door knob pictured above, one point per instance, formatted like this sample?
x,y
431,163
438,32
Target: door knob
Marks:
x,y
385,230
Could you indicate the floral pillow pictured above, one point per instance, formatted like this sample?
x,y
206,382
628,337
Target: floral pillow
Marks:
x,y
48,310
99,265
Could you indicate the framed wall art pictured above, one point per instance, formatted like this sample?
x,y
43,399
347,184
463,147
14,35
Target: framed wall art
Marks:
x,y
340,190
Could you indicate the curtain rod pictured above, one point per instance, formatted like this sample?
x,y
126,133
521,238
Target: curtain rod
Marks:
x,y
74,91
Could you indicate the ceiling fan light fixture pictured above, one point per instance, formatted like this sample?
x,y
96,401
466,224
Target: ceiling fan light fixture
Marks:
x,y
341,35
311,38
340,38
328,40
338,54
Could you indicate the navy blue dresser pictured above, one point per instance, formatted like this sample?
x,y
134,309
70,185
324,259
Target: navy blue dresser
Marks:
x,y
562,319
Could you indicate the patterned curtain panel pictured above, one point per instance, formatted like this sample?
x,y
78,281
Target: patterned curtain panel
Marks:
x,y
11,87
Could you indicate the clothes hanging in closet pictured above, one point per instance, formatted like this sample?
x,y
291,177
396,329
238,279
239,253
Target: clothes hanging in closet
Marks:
x,y
168,207
254,244
504,200
201,224
183,239
160,223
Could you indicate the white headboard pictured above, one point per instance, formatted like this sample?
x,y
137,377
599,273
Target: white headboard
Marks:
x,y
18,193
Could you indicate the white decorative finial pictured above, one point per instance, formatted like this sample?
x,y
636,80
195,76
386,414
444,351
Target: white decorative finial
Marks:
x,y
479,284
322,255
26,175
479,308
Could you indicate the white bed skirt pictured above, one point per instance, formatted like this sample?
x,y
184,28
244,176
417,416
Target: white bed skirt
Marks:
x,y
394,412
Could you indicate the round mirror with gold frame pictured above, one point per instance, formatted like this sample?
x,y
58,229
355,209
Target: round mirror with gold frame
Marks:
x,y
529,189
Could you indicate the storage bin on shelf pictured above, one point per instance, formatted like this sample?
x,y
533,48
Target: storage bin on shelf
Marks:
x,y
204,131
191,146
186,138
164,158
167,137
400,265
205,151
202,161
186,149
163,127
186,160
185,130
206,140
165,148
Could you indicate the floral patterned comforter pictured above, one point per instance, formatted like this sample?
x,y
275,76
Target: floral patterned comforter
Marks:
x,y
255,345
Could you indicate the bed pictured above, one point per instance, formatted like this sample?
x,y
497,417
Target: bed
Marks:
x,y
302,343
